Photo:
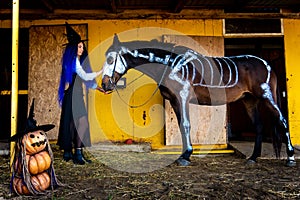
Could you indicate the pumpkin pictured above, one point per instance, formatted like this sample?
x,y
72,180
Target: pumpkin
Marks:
x,y
39,162
40,182
35,141
20,187
18,167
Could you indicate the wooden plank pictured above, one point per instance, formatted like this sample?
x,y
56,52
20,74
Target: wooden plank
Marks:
x,y
44,71
97,14
179,5
14,75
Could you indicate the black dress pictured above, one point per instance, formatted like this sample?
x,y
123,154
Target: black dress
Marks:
x,y
73,107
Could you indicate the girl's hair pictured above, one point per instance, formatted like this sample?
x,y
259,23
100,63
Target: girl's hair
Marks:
x,y
69,67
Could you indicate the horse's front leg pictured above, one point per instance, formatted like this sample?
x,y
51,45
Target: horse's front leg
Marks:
x,y
182,112
185,128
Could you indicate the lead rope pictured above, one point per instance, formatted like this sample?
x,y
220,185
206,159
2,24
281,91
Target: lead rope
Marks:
x,y
148,100
156,89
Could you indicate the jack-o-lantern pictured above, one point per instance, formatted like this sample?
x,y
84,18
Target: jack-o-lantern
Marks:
x,y
40,182
33,159
35,141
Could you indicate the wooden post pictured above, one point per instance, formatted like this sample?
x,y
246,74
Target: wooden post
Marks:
x,y
14,74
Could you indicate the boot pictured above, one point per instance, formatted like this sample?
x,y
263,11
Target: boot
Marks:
x,y
68,155
77,158
85,158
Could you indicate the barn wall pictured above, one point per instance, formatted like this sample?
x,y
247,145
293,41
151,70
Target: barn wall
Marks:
x,y
292,55
110,119
117,121
101,31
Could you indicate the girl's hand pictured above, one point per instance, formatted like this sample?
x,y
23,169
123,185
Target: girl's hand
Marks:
x,y
100,89
99,72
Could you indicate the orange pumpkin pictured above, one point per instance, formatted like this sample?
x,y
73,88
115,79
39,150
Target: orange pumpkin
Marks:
x,y
20,187
39,162
35,141
40,182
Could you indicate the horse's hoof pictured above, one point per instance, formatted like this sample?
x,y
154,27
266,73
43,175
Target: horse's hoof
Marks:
x,y
290,163
251,162
183,162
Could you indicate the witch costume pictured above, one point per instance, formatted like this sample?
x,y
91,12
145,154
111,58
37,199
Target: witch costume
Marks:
x,y
74,131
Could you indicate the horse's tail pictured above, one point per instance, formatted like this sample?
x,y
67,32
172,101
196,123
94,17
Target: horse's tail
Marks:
x,y
277,133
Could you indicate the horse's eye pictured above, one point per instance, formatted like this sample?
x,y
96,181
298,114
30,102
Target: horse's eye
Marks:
x,y
110,60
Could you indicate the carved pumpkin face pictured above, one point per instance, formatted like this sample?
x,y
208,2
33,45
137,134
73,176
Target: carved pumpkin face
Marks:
x,y
35,141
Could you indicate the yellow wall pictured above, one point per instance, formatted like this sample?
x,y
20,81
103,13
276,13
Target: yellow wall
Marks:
x,y
110,117
292,56
114,120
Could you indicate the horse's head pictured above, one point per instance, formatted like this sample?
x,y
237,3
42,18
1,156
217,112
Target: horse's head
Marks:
x,y
114,67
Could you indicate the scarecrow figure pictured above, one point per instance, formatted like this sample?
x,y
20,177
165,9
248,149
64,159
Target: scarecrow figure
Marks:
x,y
32,169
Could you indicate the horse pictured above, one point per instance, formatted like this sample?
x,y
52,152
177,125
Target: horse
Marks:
x,y
185,76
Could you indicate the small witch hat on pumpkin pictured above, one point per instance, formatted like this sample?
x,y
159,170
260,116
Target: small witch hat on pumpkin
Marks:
x,y
72,36
31,125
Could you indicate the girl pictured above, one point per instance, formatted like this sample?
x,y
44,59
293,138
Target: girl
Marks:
x,y
74,126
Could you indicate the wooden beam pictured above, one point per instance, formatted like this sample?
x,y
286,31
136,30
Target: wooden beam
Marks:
x,y
143,14
113,6
14,74
179,4
48,5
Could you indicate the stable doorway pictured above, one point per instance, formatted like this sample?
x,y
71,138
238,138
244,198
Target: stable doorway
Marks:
x,y
272,50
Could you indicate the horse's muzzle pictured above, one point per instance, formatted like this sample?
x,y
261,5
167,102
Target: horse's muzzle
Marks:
x,y
108,86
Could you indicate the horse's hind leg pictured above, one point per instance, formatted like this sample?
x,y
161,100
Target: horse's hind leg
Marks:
x,y
252,111
281,122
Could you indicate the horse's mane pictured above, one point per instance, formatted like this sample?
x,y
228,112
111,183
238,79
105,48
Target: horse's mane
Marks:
x,y
141,44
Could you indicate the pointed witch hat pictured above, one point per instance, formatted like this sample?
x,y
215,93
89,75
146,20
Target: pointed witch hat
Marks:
x,y
72,36
31,125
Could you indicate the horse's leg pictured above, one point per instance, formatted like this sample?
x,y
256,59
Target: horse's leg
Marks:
x,y
268,95
181,108
253,113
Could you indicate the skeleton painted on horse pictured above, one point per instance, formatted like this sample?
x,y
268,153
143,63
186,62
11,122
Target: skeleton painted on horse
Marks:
x,y
184,77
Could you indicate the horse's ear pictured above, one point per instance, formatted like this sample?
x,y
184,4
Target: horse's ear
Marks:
x,y
116,41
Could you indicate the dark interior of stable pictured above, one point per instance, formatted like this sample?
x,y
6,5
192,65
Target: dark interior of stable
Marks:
x,y
272,50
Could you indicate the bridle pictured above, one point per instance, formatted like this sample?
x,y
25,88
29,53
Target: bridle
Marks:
x,y
112,78
135,54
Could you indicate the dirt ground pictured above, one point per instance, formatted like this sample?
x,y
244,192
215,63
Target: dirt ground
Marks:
x,y
115,175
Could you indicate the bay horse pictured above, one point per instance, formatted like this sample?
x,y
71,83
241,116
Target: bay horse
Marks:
x,y
185,76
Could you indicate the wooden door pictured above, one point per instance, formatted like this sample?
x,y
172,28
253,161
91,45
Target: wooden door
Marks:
x,y
208,123
46,48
